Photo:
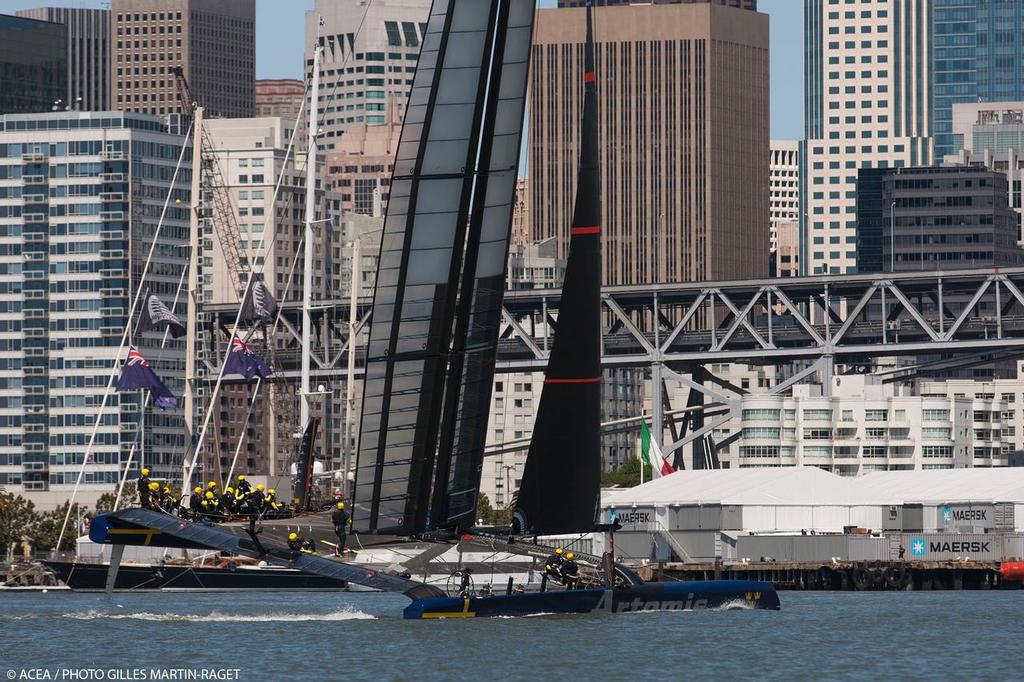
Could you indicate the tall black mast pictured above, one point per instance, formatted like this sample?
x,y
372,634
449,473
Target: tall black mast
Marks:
x,y
561,483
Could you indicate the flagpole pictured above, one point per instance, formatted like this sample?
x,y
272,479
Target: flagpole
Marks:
x,y
124,337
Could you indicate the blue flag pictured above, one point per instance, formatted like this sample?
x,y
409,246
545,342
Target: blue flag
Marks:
x,y
137,374
241,360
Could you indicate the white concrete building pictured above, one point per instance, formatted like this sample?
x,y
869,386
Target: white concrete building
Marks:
x,y
868,426
81,194
1003,395
784,201
370,54
867,93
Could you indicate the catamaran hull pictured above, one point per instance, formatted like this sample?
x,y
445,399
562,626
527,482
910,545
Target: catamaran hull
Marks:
x,y
669,596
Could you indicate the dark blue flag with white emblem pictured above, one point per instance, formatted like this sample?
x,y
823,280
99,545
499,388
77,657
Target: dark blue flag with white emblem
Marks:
x,y
260,305
241,360
137,374
156,315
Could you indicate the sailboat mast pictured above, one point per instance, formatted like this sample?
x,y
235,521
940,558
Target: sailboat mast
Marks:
x,y
192,311
356,283
307,268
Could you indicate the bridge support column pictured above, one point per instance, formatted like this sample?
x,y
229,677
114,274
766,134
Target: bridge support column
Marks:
x,y
827,372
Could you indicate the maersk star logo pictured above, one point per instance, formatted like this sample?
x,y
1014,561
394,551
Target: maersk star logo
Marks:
x,y
947,515
917,547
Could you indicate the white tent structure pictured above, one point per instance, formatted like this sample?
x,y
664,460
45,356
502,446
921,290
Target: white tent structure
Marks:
x,y
784,499
947,486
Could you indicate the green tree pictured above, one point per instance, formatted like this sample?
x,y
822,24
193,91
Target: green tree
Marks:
x,y
46,529
17,519
128,499
489,515
627,475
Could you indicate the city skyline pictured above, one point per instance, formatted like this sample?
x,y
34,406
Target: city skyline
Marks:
x,y
280,47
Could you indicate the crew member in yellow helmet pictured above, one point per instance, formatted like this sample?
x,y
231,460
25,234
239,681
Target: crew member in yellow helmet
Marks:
x,y
570,572
341,520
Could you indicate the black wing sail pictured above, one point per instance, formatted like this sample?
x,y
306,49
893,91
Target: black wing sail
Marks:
x,y
421,260
471,373
561,482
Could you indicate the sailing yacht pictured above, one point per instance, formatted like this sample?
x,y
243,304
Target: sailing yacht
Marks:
x,y
432,347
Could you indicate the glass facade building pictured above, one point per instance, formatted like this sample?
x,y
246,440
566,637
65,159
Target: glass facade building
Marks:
x,y
81,195
33,64
978,57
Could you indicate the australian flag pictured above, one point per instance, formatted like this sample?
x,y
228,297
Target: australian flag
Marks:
x,y
156,315
259,305
241,360
137,374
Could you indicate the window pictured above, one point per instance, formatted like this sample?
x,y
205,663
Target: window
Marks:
x,y
760,432
937,450
394,37
935,432
818,414
935,415
760,414
847,415
875,415
817,434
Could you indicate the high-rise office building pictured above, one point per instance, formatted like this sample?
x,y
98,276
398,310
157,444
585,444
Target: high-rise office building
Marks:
x,y
81,195
33,65
279,97
88,50
784,193
992,134
212,41
683,93
742,4
977,58
251,154
369,59
359,165
936,218
867,103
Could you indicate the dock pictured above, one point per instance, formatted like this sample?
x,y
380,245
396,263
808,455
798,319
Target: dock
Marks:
x,y
854,576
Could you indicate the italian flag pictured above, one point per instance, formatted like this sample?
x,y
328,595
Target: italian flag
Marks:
x,y
650,453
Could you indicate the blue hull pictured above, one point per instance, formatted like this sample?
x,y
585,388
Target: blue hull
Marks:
x,y
668,596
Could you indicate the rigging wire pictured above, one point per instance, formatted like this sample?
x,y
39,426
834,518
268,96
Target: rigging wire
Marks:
x,y
124,335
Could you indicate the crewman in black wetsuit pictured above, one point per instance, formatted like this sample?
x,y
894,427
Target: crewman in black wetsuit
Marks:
x,y
243,486
254,502
227,502
553,566
570,572
297,544
195,501
143,487
341,521
211,506
153,501
270,502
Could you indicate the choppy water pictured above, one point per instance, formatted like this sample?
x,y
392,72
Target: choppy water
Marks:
x,y
361,636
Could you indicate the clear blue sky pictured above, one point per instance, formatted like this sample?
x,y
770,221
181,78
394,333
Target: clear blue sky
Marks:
x,y
280,27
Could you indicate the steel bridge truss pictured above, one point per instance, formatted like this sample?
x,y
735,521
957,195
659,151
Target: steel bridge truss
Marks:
x,y
813,326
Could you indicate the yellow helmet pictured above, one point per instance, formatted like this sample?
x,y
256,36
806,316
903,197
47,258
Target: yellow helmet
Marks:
x,y
154,486
145,471
559,550
341,505
167,489
230,489
211,484
209,495
241,477
260,487
271,492
198,490
293,536
570,556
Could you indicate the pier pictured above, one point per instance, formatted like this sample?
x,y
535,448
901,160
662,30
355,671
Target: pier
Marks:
x,y
853,576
